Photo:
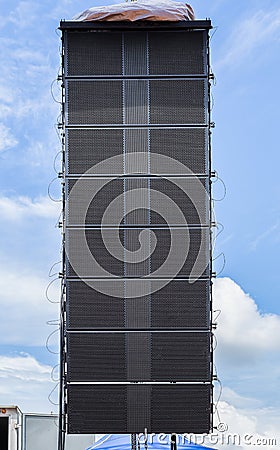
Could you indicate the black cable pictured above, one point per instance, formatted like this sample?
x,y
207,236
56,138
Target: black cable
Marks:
x,y
215,342
57,132
52,374
219,311
52,94
225,191
54,161
224,262
57,273
216,404
212,102
53,322
49,396
222,229
47,291
214,32
49,186
48,340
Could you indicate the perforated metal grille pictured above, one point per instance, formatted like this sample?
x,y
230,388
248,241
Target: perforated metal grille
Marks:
x,y
190,201
96,357
186,408
136,148
88,147
120,408
181,356
188,146
138,309
89,308
135,53
138,417
179,304
171,102
90,198
140,356
85,53
178,102
136,102
195,262
101,407
89,256
177,53
139,264
94,102
137,201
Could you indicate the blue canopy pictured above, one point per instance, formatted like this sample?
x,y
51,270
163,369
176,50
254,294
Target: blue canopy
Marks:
x,y
155,442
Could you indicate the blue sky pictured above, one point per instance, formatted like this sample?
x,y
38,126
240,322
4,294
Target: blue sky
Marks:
x,y
245,60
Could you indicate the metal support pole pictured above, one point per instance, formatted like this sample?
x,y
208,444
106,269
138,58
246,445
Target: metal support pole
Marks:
x,y
173,441
146,439
133,441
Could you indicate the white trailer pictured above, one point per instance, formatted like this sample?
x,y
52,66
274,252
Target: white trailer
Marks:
x,y
24,431
10,428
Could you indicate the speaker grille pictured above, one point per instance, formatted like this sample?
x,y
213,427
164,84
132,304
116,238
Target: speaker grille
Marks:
x,y
135,55
99,405
138,356
94,102
136,101
138,201
178,102
182,409
90,309
177,53
171,102
186,145
179,304
88,147
165,53
85,54
172,408
88,254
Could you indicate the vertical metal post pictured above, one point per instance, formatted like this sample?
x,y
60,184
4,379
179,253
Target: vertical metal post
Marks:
x,y
133,441
173,441
146,439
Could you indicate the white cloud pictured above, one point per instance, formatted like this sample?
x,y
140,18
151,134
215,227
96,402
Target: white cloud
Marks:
x,y
13,209
238,428
247,428
25,382
25,309
244,334
250,34
7,140
239,401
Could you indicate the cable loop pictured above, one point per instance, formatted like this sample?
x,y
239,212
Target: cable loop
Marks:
x,y
49,194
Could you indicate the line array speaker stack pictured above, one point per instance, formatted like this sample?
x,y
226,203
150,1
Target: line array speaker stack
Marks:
x,y
137,218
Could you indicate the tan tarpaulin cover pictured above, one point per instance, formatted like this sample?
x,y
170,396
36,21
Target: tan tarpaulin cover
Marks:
x,y
139,10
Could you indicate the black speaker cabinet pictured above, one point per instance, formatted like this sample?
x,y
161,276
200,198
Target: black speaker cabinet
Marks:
x,y
137,340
